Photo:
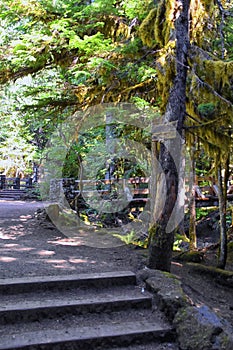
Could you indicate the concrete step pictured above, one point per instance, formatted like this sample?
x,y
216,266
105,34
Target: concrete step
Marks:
x,y
29,284
84,338
88,311
11,190
40,309
12,193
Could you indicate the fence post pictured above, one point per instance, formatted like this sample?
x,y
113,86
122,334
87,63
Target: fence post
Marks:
x,y
17,183
29,182
2,182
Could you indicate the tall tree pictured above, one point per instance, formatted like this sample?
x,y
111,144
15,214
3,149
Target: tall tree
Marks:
x,y
161,237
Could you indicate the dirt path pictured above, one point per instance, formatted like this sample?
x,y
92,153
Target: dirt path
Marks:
x,y
27,248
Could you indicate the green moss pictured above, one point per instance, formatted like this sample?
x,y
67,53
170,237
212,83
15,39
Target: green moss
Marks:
x,y
164,22
193,256
146,29
206,109
211,270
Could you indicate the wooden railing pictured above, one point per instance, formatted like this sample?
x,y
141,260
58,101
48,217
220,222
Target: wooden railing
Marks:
x,y
16,183
135,189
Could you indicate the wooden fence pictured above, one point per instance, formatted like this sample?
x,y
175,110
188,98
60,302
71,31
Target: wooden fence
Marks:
x,y
135,190
7,183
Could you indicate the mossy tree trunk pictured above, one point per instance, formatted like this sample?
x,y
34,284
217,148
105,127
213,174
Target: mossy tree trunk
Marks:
x,y
161,235
222,196
192,204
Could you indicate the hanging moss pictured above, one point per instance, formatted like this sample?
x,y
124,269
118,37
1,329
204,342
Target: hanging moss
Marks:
x,y
164,24
202,16
166,71
146,29
115,28
220,72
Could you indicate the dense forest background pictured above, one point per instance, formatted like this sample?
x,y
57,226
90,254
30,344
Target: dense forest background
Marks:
x,y
63,57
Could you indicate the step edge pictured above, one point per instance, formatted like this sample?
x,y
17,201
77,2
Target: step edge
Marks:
x,y
76,304
114,331
63,278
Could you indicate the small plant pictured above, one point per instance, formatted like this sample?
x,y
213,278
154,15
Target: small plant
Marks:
x,y
179,239
131,238
202,213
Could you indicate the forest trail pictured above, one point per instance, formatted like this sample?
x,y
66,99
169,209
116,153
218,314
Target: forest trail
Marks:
x,y
30,247
50,285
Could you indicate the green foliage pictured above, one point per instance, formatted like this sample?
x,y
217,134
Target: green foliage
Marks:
x,y
131,238
178,240
202,213
74,54
89,44
16,153
206,110
137,9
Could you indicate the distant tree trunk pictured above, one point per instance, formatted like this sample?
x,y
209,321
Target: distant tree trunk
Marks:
x,y
154,173
222,196
161,237
192,205
110,148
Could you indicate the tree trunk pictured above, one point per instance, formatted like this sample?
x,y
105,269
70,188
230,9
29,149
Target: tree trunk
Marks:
x,y
222,197
161,233
192,205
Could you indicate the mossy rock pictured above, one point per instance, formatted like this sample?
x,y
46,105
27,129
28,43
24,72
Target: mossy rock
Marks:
x,y
68,218
53,211
195,256
223,277
200,328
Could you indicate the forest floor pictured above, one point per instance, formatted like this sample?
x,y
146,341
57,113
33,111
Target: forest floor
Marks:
x,y
31,247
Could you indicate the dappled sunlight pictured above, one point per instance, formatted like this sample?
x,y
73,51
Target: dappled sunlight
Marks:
x,y
67,242
26,247
13,228
12,232
60,264
81,261
15,248
7,259
70,263
46,252
25,217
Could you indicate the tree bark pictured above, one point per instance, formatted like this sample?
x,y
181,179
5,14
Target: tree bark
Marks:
x,y
161,237
192,205
222,197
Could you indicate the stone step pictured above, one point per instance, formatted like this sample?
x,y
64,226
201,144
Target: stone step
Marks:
x,y
40,309
94,337
86,311
12,193
102,279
